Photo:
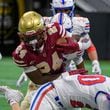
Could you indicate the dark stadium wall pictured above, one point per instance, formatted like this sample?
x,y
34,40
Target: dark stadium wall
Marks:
x,y
10,12
100,33
8,25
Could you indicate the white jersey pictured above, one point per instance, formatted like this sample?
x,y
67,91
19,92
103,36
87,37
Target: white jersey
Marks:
x,y
72,92
81,25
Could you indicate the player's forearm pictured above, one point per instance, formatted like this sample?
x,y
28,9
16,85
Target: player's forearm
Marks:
x,y
92,52
93,55
95,63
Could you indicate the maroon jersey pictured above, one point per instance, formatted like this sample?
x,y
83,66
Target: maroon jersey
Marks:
x,y
50,60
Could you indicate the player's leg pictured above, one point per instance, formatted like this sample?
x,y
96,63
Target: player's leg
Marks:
x,y
25,104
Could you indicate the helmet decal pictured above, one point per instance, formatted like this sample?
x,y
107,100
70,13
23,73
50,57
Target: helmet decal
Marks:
x,y
63,1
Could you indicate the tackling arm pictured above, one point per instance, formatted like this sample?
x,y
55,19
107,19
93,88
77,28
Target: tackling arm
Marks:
x,y
93,56
69,46
66,45
92,52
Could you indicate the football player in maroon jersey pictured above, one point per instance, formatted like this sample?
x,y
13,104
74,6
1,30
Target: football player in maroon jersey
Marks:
x,y
41,48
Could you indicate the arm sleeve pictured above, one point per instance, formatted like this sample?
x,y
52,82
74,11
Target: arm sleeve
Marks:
x,y
103,102
91,48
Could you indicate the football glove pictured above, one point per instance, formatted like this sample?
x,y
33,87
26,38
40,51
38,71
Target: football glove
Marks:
x,y
96,67
84,42
21,79
12,96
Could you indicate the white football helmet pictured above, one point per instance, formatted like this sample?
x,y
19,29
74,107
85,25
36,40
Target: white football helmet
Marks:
x,y
64,20
63,4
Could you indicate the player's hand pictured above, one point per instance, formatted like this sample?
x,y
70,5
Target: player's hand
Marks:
x,y
84,43
96,67
21,79
12,96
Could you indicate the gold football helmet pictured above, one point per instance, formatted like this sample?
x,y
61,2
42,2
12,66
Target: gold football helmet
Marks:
x,y
31,29
31,21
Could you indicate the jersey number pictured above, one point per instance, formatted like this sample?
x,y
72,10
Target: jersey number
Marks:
x,y
90,80
52,30
56,64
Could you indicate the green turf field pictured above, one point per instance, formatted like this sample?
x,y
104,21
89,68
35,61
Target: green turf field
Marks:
x,y
9,74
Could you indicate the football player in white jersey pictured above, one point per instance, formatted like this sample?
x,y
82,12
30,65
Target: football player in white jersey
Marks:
x,y
67,6
74,90
81,28
64,19
84,91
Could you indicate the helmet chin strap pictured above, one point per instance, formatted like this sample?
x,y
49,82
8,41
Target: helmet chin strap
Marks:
x,y
33,44
34,47
41,48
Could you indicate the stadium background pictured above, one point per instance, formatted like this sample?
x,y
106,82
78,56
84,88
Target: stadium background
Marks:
x,y
10,12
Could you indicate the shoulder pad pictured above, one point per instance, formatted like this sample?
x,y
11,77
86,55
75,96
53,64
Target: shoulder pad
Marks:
x,y
81,24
